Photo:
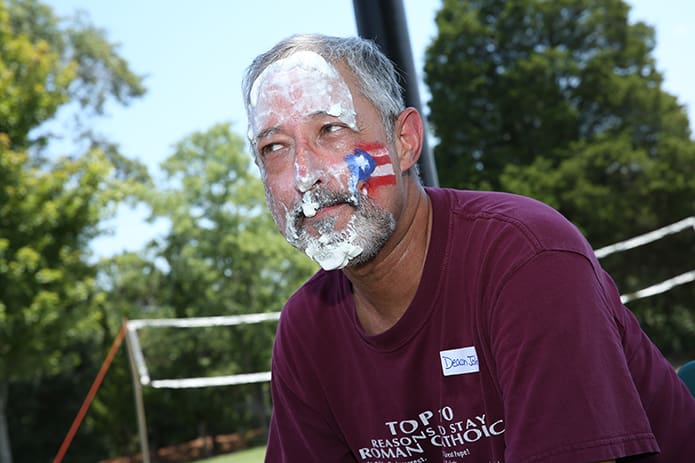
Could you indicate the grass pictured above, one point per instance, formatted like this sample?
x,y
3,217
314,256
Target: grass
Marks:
x,y
254,455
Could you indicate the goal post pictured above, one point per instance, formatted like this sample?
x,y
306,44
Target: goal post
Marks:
x,y
141,375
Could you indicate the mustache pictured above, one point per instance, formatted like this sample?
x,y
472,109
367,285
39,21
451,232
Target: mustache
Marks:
x,y
321,198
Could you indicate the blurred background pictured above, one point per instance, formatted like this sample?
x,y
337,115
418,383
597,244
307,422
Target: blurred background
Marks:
x,y
127,189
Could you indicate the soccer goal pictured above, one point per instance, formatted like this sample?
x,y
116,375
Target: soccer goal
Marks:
x,y
141,375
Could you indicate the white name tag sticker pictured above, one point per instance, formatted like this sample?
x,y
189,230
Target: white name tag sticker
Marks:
x,y
459,361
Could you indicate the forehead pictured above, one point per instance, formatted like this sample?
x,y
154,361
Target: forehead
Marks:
x,y
299,85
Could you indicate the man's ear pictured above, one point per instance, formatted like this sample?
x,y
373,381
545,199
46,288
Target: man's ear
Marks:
x,y
409,132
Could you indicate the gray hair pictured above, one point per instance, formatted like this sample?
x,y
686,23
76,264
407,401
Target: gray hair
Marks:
x,y
376,75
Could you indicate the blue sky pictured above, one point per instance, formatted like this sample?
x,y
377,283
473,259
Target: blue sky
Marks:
x,y
194,54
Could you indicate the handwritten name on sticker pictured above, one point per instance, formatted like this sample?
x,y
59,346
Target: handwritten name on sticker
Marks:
x,y
459,361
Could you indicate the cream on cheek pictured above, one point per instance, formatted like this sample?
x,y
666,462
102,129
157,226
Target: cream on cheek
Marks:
x,y
367,168
332,247
282,97
295,87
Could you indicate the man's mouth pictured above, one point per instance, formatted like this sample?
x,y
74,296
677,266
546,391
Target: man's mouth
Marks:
x,y
315,201
319,204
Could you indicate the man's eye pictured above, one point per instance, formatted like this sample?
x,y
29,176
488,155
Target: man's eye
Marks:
x,y
331,128
270,147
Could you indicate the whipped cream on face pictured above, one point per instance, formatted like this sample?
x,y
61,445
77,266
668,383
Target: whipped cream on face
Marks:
x,y
366,231
334,250
286,92
310,204
307,83
331,249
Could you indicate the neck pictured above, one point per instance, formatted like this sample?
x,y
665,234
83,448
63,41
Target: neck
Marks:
x,y
384,288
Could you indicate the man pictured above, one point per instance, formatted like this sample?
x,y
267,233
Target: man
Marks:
x,y
445,326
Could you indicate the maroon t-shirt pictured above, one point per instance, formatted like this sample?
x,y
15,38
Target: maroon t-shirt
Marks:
x,y
515,349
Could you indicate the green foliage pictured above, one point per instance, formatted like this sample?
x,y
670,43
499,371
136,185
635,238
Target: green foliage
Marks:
x,y
47,217
50,209
525,78
561,101
60,311
33,79
101,72
45,64
222,255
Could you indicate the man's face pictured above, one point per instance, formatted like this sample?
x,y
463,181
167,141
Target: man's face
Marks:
x,y
324,159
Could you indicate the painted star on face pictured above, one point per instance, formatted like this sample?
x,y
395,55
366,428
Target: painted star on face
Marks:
x,y
361,164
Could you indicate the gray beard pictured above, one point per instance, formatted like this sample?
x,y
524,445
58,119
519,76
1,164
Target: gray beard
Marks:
x,y
358,243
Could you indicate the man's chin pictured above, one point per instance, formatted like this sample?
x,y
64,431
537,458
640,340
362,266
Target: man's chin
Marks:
x,y
331,250
334,258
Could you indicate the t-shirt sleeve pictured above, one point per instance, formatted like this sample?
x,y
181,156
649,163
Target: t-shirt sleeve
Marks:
x,y
557,346
300,429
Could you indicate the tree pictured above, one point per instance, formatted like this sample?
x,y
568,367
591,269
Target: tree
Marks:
x,y
223,247
51,209
222,255
46,63
561,101
33,80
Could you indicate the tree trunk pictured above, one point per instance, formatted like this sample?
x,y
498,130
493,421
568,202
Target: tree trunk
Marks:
x,y
5,452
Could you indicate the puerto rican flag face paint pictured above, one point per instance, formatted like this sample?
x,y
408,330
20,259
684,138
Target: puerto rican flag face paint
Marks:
x,y
370,167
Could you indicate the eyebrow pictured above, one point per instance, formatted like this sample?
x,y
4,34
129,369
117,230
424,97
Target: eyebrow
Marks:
x,y
265,133
276,128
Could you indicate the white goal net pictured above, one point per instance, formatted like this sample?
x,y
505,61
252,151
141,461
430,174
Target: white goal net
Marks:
x,y
140,365
141,375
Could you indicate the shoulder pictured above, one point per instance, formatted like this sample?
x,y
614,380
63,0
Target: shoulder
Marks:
x,y
499,215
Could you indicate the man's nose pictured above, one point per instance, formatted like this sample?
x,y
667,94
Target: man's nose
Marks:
x,y
307,172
